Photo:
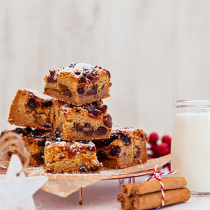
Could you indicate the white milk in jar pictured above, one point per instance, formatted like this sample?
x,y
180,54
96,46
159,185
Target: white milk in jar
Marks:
x,y
191,144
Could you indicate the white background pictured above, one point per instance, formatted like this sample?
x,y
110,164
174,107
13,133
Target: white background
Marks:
x,y
157,52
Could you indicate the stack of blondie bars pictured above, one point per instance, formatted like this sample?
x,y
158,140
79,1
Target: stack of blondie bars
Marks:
x,y
68,128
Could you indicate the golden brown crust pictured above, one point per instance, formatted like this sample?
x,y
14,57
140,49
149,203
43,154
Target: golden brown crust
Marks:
x,y
31,109
78,84
126,147
70,157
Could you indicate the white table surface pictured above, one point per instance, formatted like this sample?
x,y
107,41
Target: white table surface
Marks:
x,y
102,195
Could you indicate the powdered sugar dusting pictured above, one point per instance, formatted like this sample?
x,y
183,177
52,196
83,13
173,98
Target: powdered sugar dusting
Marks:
x,y
77,69
39,95
72,144
116,129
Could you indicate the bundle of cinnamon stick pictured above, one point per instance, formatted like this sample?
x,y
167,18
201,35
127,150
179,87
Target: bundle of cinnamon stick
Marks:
x,y
148,195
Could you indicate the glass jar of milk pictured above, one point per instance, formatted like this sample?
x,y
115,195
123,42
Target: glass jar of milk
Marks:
x,y
191,144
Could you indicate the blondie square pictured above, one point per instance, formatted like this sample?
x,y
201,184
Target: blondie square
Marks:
x,y
70,157
78,83
31,109
34,141
126,147
89,121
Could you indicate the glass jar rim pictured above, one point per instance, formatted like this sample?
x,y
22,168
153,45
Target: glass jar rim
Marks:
x,y
192,104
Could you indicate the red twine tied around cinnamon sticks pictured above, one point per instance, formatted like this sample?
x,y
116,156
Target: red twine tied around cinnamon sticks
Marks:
x,y
157,176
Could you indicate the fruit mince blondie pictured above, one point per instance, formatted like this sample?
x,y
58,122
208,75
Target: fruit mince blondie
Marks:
x,y
70,156
31,109
89,121
34,141
78,84
126,147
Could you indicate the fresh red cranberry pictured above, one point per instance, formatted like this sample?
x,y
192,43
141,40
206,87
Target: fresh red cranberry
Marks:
x,y
163,149
168,165
154,148
155,151
167,140
153,155
153,138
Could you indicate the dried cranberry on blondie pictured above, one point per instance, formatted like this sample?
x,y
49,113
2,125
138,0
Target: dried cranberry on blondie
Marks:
x,y
31,109
70,157
126,147
78,83
89,121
